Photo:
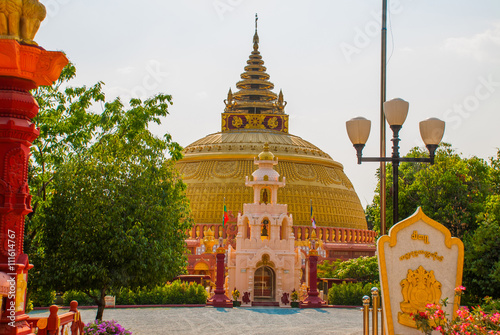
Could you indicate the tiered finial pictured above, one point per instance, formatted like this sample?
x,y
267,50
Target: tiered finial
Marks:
x,y
255,106
255,95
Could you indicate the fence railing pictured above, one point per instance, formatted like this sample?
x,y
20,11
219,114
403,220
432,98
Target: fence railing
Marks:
x,y
67,323
374,311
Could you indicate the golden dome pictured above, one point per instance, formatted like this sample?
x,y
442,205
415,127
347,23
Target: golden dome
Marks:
x,y
266,155
214,167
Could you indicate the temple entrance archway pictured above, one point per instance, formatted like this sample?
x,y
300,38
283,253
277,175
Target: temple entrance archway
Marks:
x,y
264,284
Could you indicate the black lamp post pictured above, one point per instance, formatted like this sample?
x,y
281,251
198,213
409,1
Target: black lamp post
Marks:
x,y
395,111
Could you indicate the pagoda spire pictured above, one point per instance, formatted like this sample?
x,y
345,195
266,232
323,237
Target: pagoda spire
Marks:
x,y
255,97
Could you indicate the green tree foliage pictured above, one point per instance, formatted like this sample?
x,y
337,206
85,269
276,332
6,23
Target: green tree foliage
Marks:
x,y
110,208
326,269
69,124
482,254
452,191
363,269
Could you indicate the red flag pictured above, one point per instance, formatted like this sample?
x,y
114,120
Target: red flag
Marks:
x,y
225,217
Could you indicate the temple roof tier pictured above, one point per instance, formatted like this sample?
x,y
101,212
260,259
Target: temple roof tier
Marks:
x,y
255,94
255,67
249,83
254,75
255,60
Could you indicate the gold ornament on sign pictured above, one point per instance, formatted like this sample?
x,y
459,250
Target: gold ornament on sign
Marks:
x,y
20,19
419,289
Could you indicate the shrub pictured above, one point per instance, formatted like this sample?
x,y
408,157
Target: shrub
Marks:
x,y
82,298
491,305
105,328
42,297
171,293
349,294
126,296
475,321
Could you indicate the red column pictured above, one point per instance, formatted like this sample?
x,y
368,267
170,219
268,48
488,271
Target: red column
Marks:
x,y
313,300
220,299
22,68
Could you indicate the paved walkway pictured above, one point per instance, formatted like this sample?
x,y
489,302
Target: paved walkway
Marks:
x,y
232,321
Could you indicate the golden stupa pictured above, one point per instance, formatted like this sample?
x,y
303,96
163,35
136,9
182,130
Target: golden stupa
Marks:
x,y
214,167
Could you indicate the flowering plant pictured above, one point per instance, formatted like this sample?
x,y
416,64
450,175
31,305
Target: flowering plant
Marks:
x,y
105,328
294,296
235,294
466,322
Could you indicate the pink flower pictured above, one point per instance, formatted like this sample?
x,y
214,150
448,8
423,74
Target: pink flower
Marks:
x,y
459,289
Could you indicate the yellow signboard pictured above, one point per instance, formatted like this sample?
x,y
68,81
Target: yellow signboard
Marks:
x,y
420,263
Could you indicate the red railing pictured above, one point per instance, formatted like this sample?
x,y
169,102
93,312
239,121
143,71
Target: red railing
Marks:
x,y
67,323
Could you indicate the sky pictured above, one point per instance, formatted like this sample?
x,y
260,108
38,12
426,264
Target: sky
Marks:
x,y
443,58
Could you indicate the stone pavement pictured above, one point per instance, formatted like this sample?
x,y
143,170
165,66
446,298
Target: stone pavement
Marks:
x,y
232,321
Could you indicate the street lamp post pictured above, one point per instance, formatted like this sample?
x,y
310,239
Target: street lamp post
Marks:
x,y
395,111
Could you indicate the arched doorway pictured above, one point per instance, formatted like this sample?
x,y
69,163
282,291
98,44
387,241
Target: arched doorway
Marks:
x,y
264,284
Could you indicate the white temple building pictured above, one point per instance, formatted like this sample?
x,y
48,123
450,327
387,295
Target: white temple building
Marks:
x,y
266,263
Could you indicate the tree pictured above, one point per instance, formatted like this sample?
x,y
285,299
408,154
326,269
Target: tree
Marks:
x,y
363,269
482,254
452,191
110,208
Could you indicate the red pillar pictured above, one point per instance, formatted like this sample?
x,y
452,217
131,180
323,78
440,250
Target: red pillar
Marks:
x,y
220,299
22,68
313,300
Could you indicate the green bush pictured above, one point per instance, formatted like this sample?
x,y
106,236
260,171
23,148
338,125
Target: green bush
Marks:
x,y
350,294
82,298
126,297
171,293
42,297
491,305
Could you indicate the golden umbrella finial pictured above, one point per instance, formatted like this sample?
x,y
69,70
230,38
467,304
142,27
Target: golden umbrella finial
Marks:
x,y
256,37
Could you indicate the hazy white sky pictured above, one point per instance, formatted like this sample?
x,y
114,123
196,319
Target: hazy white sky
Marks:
x,y
444,59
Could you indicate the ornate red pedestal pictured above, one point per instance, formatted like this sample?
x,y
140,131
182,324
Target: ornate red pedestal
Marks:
x,y
220,299
22,68
313,300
